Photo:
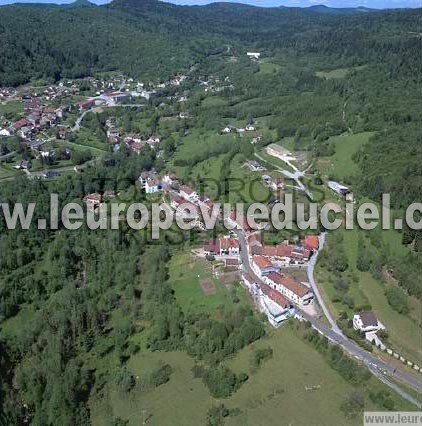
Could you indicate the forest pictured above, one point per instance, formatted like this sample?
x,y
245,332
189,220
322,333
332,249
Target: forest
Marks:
x,y
70,299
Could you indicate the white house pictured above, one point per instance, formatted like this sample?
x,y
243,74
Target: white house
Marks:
x,y
188,193
152,184
338,188
274,305
366,321
253,55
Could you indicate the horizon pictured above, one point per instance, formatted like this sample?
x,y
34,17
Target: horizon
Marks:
x,y
371,4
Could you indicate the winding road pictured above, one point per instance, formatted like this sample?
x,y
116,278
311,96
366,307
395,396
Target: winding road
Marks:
x,y
379,368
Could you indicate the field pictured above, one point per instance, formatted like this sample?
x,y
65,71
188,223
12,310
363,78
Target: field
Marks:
x,y
273,394
7,171
268,68
11,109
340,165
337,73
188,275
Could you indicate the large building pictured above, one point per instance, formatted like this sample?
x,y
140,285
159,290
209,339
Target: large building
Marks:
x,y
290,288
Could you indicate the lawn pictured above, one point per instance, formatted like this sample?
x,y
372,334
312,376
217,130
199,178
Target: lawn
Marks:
x,y
7,171
273,394
11,109
213,101
186,273
340,165
268,68
337,73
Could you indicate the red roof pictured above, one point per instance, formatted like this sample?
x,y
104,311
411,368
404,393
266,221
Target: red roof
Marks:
x,y
93,197
312,242
289,282
262,262
255,238
269,251
212,246
275,296
186,189
21,123
226,243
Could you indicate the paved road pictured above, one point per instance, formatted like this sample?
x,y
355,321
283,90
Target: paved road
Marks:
x,y
78,121
315,289
375,365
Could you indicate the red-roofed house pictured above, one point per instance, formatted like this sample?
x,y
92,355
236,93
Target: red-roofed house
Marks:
x,y
290,287
312,242
262,265
84,104
93,199
222,247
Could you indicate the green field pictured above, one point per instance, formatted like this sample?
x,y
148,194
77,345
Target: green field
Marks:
x,y
11,109
186,272
340,165
337,73
268,68
213,101
7,171
274,394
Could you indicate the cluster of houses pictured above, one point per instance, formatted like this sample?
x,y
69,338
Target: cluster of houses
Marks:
x,y
136,143
284,252
231,129
38,118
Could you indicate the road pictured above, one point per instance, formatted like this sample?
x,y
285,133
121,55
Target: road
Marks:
x,y
78,121
295,175
315,289
375,365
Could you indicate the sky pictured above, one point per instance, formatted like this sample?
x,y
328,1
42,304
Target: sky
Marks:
x,y
376,4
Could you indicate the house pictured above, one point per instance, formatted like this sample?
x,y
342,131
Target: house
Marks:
x,y
290,288
93,200
338,188
366,321
84,104
312,242
4,132
188,193
176,201
231,263
20,124
229,246
170,179
274,305
255,243
253,55
221,247
48,174
23,165
262,265
254,166
118,97
152,184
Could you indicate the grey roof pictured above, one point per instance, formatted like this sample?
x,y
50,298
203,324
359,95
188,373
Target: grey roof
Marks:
x,y
368,319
